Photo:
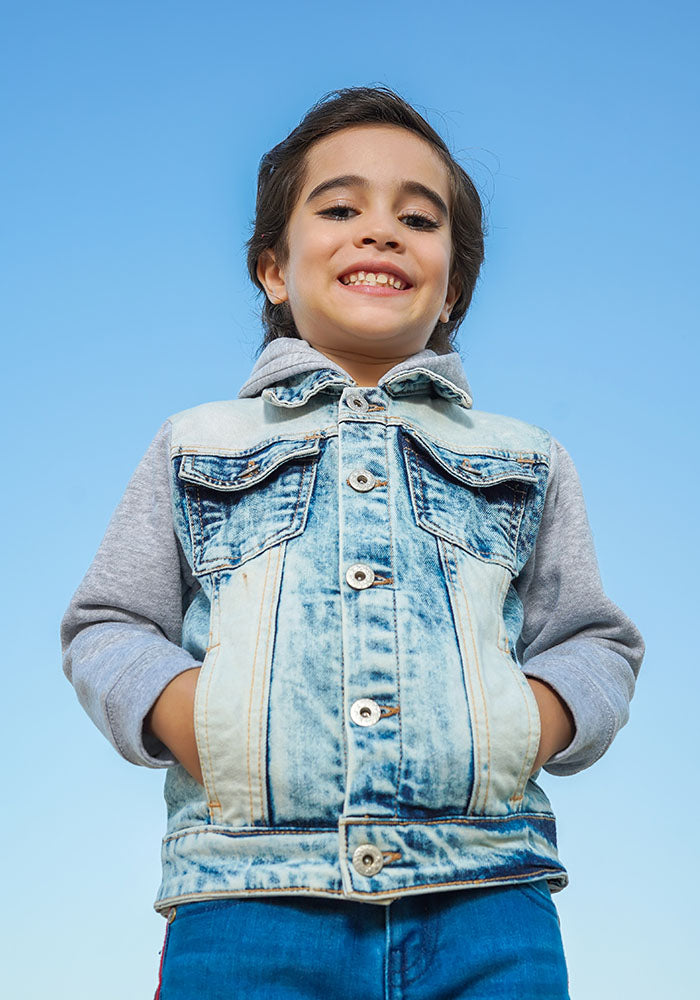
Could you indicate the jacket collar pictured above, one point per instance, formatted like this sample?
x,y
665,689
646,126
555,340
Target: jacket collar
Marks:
x,y
290,371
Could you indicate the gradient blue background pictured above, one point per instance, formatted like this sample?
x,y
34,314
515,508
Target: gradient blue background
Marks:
x,y
132,133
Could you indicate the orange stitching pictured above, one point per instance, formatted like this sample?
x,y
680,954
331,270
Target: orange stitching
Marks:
x,y
388,710
252,681
213,798
354,821
481,683
390,856
471,881
396,630
538,458
518,793
341,892
263,686
250,469
502,642
466,673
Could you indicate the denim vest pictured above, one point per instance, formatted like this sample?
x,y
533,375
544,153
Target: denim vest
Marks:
x,y
364,728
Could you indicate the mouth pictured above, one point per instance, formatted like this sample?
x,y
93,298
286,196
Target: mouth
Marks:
x,y
375,279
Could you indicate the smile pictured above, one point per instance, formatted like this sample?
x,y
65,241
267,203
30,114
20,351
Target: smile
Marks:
x,y
371,278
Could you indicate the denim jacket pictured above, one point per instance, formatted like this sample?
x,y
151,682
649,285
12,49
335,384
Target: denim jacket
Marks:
x,y
363,574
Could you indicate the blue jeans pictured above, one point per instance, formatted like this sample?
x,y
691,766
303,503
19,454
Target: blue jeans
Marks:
x,y
500,941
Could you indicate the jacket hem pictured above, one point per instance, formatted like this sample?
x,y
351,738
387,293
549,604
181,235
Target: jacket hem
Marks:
x,y
449,853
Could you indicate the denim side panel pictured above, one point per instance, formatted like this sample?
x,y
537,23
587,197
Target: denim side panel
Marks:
x,y
505,717
306,760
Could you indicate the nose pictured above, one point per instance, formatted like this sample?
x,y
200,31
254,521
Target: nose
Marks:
x,y
378,232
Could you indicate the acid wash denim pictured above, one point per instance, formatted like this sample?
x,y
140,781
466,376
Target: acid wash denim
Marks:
x,y
363,726
367,577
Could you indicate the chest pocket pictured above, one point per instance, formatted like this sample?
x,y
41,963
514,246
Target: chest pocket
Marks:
x,y
238,505
475,501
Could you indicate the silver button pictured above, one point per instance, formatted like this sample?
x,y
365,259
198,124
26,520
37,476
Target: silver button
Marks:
x,y
356,401
362,480
365,712
367,859
360,576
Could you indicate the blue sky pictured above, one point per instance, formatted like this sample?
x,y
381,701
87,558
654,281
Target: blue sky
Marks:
x,y
132,134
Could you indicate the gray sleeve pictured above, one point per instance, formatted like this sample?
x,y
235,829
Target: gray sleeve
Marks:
x,y
121,632
574,638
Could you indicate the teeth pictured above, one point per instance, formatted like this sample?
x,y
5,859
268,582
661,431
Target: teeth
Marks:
x,y
370,278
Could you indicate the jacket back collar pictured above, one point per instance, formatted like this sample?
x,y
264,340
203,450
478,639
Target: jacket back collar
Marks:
x,y
290,371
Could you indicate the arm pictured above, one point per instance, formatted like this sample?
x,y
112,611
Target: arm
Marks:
x,y
581,654
122,630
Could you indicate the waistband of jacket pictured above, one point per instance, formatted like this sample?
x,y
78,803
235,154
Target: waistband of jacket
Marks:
x,y
412,856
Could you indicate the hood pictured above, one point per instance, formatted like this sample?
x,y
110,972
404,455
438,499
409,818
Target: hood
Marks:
x,y
289,371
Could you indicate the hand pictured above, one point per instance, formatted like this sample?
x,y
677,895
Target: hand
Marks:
x,y
171,720
556,721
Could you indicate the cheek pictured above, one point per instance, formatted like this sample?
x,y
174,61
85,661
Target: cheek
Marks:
x,y
440,268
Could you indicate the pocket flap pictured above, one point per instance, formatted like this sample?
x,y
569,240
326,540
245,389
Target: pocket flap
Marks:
x,y
238,472
480,469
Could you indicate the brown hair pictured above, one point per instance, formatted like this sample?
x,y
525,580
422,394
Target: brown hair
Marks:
x,y
281,178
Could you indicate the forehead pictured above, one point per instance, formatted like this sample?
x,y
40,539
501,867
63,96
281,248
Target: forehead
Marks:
x,y
384,154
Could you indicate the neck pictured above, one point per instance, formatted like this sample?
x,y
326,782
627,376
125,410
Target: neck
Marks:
x,y
364,370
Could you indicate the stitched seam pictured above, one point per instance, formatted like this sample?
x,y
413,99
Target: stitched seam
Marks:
x,y
521,511
295,527
205,449
162,904
505,476
214,802
465,671
481,683
252,684
522,777
395,617
263,688
537,457
471,881
354,821
502,631
441,532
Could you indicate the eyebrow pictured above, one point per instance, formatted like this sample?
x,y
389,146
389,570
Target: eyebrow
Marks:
x,y
405,187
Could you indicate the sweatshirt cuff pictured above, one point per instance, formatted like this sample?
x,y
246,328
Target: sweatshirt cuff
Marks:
x,y
133,695
580,671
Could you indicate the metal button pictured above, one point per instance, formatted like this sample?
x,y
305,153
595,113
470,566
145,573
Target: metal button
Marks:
x,y
367,859
362,480
365,712
360,576
356,401
171,914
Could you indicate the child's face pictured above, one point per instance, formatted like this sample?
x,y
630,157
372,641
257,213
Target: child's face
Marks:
x,y
375,199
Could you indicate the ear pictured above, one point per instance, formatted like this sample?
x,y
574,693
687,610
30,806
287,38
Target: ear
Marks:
x,y
453,290
271,277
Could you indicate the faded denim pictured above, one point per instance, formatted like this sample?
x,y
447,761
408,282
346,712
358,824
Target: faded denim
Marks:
x,y
364,728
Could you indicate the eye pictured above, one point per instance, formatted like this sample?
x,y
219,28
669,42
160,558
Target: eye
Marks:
x,y
338,212
417,220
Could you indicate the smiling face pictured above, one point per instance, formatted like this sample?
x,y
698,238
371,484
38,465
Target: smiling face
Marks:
x,y
367,272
